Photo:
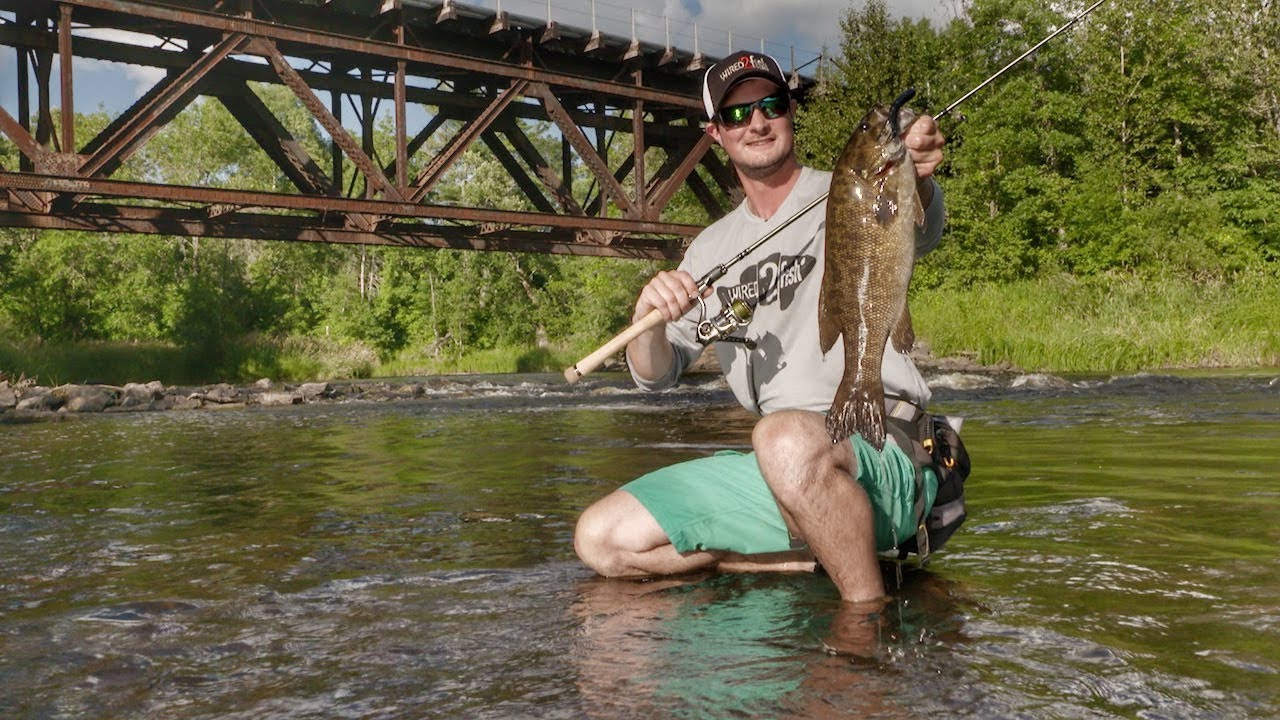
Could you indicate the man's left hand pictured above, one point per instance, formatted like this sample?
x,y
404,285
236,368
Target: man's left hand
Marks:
x,y
924,142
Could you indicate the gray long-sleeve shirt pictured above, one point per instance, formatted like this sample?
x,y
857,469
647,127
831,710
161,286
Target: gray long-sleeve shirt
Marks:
x,y
782,279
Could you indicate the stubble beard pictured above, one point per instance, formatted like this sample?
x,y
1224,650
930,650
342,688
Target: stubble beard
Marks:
x,y
756,167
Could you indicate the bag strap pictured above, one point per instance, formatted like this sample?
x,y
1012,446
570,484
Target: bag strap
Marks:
x,y
915,437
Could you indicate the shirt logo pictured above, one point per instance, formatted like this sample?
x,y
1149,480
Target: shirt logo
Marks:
x,y
773,279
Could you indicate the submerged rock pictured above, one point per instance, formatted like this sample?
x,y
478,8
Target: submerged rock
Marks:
x,y
961,381
1040,381
279,398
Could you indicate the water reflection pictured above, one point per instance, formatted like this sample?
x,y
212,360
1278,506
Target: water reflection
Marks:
x,y
414,560
757,646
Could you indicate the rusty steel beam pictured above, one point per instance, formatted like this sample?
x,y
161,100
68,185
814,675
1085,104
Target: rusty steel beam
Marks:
x,y
191,223
413,146
238,71
67,111
364,59
542,169
275,139
458,145
32,150
596,164
176,94
383,50
372,173
285,201
680,174
517,172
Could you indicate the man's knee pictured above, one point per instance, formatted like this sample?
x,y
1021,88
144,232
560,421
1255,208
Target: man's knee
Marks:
x,y
795,454
787,434
604,536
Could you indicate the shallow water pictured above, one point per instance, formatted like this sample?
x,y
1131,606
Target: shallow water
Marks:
x,y
414,560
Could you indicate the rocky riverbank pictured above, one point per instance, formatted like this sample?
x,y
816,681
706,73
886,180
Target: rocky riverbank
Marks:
x,y
24,401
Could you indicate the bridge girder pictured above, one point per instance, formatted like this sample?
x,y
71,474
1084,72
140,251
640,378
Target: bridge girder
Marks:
x,y
486,77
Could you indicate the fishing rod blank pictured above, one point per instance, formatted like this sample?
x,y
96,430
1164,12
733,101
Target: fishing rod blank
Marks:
x,y
654,318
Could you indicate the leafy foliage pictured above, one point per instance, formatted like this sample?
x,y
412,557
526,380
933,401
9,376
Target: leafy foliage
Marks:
x,y
1144,143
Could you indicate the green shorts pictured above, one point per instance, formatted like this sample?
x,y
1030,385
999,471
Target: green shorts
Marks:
x,y
721,502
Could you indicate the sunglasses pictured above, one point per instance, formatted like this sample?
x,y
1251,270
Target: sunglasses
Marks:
x,y
773,106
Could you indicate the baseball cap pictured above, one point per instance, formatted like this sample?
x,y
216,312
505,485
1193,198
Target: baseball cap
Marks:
x,y
729,71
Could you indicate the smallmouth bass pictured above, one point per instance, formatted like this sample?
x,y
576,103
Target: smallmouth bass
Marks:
x,y
872,213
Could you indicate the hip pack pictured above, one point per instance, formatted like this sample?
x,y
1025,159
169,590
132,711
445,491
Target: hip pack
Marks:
x,y
932,442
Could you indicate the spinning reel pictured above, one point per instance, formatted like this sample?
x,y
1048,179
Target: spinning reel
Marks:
x,y
721,327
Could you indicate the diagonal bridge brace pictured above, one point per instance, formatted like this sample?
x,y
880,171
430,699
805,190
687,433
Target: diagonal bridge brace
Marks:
x,y
445,159
146,117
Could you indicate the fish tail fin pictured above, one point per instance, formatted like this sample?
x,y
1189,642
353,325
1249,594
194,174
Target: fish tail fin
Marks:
x,y
857,411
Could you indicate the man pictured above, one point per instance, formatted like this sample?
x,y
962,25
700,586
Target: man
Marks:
x,y
797,495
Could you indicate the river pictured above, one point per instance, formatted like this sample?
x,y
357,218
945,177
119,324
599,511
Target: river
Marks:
x,y
414,559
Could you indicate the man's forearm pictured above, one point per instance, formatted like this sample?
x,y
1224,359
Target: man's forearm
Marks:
x,y
650,355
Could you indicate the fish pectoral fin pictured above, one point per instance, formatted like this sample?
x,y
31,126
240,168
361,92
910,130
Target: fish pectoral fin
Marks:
x,y
919,206
886,209
903,336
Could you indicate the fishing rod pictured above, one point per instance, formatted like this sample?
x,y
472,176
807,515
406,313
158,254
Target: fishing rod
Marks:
x,y
737,314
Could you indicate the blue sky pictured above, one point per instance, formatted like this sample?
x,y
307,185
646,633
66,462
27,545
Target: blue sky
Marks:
x,y
714,27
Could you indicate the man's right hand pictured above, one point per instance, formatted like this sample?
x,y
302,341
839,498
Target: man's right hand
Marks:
x,y
671,292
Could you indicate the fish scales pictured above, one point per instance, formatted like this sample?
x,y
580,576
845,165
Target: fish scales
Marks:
x,y
872,213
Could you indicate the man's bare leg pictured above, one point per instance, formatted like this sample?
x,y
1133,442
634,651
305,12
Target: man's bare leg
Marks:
x,y
813,481
617,537
791,561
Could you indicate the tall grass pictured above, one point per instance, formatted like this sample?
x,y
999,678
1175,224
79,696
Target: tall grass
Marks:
x,y
497,360
1062,324
240,360
1112,324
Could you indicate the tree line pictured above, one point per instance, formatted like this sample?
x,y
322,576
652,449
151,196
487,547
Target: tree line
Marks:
x,y
1144,142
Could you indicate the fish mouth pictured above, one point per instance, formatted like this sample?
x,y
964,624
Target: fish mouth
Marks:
x,y
891,153
884,168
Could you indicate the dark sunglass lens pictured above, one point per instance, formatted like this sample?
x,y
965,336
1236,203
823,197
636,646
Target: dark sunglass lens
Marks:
x,y
736,114
774,106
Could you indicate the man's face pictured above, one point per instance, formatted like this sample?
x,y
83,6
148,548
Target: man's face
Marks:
x,y
759,146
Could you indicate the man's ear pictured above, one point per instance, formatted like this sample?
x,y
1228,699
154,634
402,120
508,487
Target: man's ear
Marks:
x,y
713,129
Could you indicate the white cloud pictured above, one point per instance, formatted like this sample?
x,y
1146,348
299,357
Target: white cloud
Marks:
x,y
140,77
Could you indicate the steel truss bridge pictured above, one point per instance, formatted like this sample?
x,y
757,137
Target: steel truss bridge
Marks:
x,y
488,72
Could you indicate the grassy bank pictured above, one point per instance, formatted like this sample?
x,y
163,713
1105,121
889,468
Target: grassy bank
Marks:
x,y
1121,324
239,361
1059,324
